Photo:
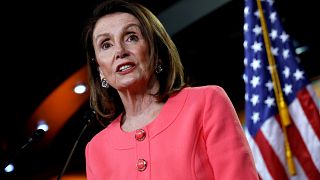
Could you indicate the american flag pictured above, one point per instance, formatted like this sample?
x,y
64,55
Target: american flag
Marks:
x,y
263,127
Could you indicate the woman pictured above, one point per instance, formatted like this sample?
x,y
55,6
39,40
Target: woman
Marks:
x,y
159,128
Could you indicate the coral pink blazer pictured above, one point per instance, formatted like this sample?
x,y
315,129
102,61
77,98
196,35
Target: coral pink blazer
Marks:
x,y
196,136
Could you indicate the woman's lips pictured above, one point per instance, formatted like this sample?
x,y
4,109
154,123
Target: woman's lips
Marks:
x,y
125,68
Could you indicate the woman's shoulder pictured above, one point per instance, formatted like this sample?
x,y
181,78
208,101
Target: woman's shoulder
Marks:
x,y
205,89
206,92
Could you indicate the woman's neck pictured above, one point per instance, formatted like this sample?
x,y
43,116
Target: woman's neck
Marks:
x,y
140,116
140,109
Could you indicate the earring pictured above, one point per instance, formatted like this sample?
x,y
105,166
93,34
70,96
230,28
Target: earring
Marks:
x,y
159,68
104,83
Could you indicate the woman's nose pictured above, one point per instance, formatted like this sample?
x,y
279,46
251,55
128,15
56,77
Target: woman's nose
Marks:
x,y
121,51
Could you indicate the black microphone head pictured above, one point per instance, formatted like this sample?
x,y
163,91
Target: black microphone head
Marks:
x,y
36,136
89,116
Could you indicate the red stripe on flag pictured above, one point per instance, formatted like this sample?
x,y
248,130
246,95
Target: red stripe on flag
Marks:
x,y
310,109
301,152
270,158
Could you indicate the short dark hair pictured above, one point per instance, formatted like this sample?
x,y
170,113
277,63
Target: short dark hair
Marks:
x,y
107,102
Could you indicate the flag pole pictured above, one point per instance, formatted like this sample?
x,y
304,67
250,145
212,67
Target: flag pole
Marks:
x,y
282,106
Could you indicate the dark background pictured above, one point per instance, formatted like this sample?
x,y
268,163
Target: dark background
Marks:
x,y
41,47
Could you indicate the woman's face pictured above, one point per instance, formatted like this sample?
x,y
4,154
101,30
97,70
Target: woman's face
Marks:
x,y
121,51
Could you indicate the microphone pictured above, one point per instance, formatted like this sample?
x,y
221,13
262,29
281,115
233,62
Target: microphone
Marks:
x,y
89,115
34,138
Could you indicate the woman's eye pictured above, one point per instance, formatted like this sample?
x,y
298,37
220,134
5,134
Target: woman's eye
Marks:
x,y
106,45
133,37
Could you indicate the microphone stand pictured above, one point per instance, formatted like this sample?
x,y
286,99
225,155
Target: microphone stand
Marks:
x,y
89,115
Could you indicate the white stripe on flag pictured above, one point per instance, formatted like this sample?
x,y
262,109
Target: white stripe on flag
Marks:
x,y
299,171
273,133
260,165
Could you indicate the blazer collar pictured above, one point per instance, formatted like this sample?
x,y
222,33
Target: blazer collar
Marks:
x,y
120,139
